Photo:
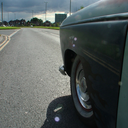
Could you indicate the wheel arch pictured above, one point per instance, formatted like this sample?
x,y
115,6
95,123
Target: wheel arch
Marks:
x,y
68,60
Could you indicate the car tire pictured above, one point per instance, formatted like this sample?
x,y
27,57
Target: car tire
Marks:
x,y
80,94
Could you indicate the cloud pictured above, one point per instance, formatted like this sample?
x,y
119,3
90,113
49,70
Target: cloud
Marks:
x,y
39,5
23,8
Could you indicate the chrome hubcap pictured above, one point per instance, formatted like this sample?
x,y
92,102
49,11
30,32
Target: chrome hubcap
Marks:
x,y
81,89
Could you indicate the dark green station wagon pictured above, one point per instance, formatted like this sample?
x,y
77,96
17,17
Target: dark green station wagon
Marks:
x,y
94,45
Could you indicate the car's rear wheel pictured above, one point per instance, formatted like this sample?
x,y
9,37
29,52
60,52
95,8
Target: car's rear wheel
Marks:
x,y
80,95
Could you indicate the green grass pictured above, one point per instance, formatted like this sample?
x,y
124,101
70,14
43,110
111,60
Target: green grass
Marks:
x,y
4,28
57,28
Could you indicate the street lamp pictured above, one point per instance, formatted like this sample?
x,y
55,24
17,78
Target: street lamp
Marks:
x,y
32,13
70,7
45,9
2,12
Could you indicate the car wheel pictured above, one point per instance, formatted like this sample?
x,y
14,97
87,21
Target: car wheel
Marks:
x,y
80,95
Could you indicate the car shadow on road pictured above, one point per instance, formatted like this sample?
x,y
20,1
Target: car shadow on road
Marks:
x,y
61,114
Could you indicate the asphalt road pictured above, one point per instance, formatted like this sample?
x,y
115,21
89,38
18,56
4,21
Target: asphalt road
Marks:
x,y
33,94
7,32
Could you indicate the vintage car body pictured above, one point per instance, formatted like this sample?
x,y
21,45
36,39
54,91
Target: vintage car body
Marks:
x,y
98,34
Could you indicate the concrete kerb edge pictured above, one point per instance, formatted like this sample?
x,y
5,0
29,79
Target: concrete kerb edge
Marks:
x,y
4,40
3,43
7,39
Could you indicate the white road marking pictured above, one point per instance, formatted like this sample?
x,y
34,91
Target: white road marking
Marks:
x,y
13,33
8,38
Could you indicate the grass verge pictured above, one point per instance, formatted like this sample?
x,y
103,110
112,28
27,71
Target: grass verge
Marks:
x,y
57,28
4,28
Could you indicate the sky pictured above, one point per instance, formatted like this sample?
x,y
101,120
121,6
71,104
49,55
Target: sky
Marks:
x,y
27,9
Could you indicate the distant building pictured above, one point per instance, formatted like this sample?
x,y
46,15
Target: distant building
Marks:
x,y
5,23
47,23
60,17
22,22
17,22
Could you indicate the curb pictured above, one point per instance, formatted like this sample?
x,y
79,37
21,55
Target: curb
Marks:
x,y
4,41
2,38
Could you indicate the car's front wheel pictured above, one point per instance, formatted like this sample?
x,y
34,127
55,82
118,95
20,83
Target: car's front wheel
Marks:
x,y
80,95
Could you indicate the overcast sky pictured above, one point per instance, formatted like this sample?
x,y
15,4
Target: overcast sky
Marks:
x,y
18,9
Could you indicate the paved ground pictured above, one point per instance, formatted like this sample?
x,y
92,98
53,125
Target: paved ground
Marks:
x,y
1,38
7,32
33,94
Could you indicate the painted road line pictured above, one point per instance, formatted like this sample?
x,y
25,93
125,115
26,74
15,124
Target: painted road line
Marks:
x,y
13,33
8,38
1,48
3,41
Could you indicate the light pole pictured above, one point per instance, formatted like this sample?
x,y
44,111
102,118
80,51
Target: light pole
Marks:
x,y
70,7
45,9
2,12
14,16
8,16
32,13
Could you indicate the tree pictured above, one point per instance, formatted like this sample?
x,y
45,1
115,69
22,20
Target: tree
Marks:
x,y
28,23
40,22
36,21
